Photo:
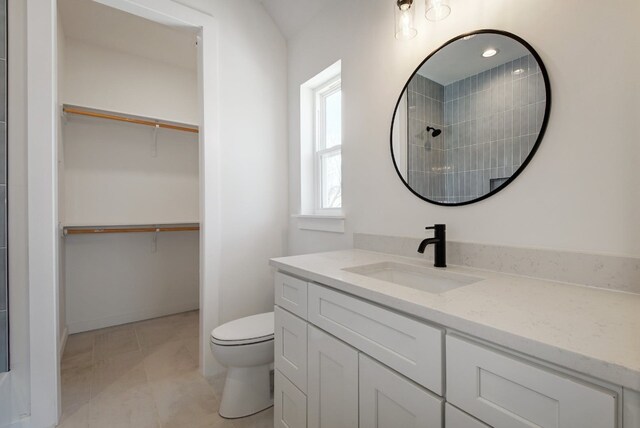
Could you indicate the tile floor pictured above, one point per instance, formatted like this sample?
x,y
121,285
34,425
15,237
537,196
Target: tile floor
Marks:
x,y
143,375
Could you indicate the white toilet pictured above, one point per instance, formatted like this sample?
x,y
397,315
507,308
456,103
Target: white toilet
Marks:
x,y
245,347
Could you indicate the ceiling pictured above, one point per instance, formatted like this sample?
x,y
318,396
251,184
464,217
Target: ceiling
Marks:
x,y
463,58
292,15
104,26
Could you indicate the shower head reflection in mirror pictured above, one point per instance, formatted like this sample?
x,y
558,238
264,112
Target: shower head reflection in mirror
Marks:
x,y
434,132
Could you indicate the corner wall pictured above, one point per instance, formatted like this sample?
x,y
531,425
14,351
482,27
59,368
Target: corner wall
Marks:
x,y
62,312
253,149
579,193
15,390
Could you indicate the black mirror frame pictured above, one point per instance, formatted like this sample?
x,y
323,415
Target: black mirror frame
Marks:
x,y
543,128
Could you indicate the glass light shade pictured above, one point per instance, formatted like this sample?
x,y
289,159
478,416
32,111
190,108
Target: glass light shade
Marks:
x,y
405,13
436,10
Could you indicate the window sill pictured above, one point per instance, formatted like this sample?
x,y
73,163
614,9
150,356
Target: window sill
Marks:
x,y
322,223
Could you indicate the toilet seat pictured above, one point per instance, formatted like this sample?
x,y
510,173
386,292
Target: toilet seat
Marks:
x,y
244,331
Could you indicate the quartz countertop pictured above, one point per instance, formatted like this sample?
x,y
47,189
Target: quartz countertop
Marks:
x,y
588,330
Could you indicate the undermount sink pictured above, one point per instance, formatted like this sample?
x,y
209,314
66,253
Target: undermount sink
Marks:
x,y
416,277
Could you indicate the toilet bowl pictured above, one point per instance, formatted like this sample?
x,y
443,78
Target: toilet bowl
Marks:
x,y
245,347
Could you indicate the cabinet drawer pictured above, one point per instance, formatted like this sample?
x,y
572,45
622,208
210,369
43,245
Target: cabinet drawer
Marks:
x,y
290,404
388,400
506,392
291,294
454,418
291,347
404,344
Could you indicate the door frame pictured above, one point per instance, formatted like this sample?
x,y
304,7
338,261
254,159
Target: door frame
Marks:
x,y
44,231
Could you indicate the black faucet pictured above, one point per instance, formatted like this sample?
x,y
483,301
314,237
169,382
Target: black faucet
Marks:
x,y
439,239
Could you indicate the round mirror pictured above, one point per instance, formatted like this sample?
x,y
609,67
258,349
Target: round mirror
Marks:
x,y
470,118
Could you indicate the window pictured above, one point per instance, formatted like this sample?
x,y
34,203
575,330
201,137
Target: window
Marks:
x,y
328,146
321,152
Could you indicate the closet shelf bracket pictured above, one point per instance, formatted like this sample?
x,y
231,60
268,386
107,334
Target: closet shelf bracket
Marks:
x,y
154,144
154,242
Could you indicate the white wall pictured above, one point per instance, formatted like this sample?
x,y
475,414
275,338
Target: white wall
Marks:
x,y
42,215
62,315
102,78
111,176
253,138
579,193
115,279
15,390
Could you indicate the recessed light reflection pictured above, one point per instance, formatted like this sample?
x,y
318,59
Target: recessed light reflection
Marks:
x,y
469,37
489,53
518,71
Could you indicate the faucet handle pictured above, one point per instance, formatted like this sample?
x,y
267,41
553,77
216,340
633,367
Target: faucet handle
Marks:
x,y
436,226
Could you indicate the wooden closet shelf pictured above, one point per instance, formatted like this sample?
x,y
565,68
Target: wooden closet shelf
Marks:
x,y
82,111
84,230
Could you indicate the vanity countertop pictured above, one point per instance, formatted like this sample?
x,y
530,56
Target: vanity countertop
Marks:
x,y
588,330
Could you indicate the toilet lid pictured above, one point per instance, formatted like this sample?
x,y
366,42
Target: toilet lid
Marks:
x,y
255,328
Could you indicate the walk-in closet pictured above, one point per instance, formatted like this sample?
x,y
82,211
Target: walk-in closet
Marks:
x,y
128,188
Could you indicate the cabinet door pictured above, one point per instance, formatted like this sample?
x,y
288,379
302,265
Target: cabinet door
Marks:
x,y
388,400
455,418
507,392
291,347
332,384
631,408
290,404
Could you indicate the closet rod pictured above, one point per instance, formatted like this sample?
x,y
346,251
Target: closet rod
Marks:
x,y
121,118
132,229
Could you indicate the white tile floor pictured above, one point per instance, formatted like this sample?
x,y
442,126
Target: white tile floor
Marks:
x,y
141,375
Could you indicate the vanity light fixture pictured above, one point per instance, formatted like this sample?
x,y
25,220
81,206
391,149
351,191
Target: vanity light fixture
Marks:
x,y
405,12
489,52
436,10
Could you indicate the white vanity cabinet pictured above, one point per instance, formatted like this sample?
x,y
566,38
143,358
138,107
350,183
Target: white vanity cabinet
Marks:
x,y
507,392
408,346
332,396
321,381
389,400
455,418
291,294
290,337
344,362
290,404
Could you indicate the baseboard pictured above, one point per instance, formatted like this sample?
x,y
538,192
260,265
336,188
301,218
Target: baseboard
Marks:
x,y
63,341
87,325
